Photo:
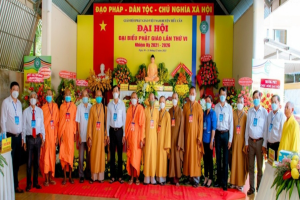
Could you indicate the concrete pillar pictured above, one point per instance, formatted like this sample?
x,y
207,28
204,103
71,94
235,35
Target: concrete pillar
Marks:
x,y
258,29
46,27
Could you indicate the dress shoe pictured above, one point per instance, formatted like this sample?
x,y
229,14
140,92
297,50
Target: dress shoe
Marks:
x,y
18,190
250,192
28,188
195,185
81,180
224,188
37,186
204,184
217,185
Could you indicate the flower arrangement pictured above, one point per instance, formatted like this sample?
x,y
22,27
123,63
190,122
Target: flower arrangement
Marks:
x,y
144,90
266,101
122,75
231,95
287,175
163,74
95,82
208,74
246,94
141,74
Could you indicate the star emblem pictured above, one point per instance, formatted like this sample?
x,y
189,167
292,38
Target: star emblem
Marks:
x,y
102,25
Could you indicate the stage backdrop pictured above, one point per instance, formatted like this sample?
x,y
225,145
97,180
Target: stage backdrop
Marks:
x,y
174,33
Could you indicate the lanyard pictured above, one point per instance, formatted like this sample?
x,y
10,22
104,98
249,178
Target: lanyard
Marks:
x,y
162,117
191,107
239,117
15,108
68,108
98,113
274,117
256,112
151,112
221,108
115,107
50,110
133,112
173,112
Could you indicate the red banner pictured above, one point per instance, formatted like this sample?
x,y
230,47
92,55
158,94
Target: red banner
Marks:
x,y
121,61
35,78
228,82
245,81
67,74
81,82
270,83
181,65
45,71
206,58
154,9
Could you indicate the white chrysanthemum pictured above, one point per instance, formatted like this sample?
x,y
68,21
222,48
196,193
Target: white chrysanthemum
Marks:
x,y
203,104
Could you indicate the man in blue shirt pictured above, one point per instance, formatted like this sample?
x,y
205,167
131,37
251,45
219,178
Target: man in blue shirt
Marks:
x,y
209,128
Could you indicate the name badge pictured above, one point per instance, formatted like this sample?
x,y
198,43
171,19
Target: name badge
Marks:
x,y
204,126
17,120
132,126
158,129
33,124
191,118
86,116
270,127
255,122
151,123
115,116
67,117
98,126
173,122
221,117
52,124
238,130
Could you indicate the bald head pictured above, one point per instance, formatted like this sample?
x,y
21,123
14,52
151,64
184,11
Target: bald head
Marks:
x,y
49,92
289,109
85,93
151,97
98,93
67,92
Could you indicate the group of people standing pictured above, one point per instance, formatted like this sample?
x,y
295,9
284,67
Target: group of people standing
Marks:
x,y
151,136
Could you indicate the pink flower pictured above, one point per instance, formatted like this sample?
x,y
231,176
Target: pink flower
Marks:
x,y
240,95
298,166
243,92
249,104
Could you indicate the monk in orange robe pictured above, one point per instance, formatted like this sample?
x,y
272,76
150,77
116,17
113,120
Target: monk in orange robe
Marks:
x,y
66,135
134,134
48,152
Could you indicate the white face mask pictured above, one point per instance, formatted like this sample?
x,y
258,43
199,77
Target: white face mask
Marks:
x,y
116,95
33,101
240,106
133,101
175,102
192,97
162,105
15,94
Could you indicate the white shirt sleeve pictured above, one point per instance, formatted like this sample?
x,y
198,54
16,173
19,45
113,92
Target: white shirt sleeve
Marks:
x,y
230,125
3,116
108,119
265,134
247,128
78,114
124,118
24,126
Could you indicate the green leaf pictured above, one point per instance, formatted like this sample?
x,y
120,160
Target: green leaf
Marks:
x,y
292,188
282,187
298,187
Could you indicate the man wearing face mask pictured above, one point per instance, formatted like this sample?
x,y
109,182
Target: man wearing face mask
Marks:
x,y
239,164
193,130
66,135
48,152
116,118
177,141
274,126
96,138
82,117
150,141
33,137
11,124
134,135
223,137
254,138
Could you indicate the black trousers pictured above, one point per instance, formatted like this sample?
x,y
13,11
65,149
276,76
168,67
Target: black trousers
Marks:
x,y
115,137
16,146
208,161
222,157
273,146
33,146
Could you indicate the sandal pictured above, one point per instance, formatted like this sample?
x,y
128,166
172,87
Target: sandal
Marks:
x,y
71,181
46,184
52,182
91,182
137,182
112,181
130,182
162,184
64,182
121,181
101,181
195,185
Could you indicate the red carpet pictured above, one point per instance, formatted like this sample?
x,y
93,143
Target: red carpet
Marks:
x,y
144,192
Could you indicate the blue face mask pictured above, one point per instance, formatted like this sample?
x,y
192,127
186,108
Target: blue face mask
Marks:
x,y
49,99
85,99
256,102
274,106
98,99
208,105
222,98
68,99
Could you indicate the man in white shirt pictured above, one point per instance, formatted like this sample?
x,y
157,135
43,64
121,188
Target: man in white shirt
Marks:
x,y
82,116
254,137
33,137
116,118
223,137
11,124
274,126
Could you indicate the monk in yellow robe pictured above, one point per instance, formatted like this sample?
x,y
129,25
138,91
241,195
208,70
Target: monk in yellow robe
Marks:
x,y
177,141
134,135
152,71
163,142
96,137
66,135
290,138
150,150
193,130
48,152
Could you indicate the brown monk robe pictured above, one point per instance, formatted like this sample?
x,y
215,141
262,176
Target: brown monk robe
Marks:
x,y
48,152
66,134
96,137
134,135
193,133
177,141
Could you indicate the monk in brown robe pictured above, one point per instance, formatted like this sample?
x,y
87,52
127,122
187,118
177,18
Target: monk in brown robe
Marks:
x,y
48,152
96,137
239,163
177,141
134,134
193,130
66,135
